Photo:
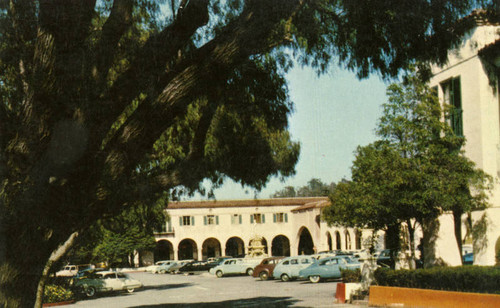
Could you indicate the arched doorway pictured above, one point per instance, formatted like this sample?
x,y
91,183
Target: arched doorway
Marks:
x,y
188,250
163,251
210,248
359,236
338,241
264,243
235,247
280,246
329,241
347,240
306,244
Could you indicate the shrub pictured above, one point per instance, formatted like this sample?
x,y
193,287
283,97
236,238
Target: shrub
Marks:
x,y
479,279
54,293
350,275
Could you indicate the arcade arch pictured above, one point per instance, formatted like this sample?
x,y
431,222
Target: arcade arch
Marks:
x,y
210,248
359,236
235,247
347,240
187,250
329,241
164,250
306,244
264,243
280,246
338,241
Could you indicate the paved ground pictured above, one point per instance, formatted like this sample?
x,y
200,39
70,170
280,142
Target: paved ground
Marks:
x,y
207,291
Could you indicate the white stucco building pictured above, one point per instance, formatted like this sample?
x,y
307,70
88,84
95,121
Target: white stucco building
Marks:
x,y
288,226
469,82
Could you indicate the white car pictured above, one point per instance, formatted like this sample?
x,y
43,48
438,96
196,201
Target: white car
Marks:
x,y
234,267
72,270
289,267
154,268
106,281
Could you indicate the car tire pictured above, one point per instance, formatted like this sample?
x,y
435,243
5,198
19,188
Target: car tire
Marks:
x,y
314,278
219,274
264,275
162,272
130,290
285,278
90,291
249,271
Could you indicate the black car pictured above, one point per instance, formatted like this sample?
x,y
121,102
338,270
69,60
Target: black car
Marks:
x,y
197,267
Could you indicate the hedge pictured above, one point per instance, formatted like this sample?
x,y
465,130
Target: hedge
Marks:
x,y
54,294
477,279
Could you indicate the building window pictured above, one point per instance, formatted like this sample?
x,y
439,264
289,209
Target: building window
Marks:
x,y
257,218
211,220
186,220
280,217
236,219
166,227
452,96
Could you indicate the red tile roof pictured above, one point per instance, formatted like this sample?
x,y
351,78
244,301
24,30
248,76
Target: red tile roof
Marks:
x,y
299,202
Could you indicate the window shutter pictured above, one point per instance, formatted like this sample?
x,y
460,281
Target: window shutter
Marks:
x,y
251,219
205,220
274,217
217,219
240,219
286,217
192,220
263,218
180,220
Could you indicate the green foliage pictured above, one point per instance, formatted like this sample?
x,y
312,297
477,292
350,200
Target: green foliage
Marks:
x,y
479,279
56,293
314,188
349,275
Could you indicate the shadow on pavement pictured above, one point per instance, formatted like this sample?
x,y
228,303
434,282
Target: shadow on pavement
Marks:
x,y
245,302
166,286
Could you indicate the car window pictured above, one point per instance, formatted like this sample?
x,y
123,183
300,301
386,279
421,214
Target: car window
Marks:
x,y
110,276
304,261
286,262
227,262
294,261
121,275
265,262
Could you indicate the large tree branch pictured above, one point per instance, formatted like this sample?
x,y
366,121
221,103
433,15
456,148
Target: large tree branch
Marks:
x,y
148,65
119,20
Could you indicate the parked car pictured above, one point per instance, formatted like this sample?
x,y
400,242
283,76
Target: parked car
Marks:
x,y
234,267
154,268
265,269
161,269
289,267
173,266
72,270
196,267
328,268
106,281
384,258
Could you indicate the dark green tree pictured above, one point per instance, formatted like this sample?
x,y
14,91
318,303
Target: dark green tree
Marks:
x,y
105,102
415,172
314,188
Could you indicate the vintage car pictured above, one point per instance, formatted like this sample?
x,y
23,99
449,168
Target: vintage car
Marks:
x,y
234,267
265,269
72,270
197,267
289,267
328,268
154,268
106,281
172,267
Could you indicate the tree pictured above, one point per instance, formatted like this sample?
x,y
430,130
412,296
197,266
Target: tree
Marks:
x,y
416,171
105,102
314,188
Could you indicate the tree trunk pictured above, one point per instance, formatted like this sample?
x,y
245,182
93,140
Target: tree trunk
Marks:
x,y
411,235
457,220
393,242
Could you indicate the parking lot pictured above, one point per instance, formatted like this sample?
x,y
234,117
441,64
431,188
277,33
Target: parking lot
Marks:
x,y
208,291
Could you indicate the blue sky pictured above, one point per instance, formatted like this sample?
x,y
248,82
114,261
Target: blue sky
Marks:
x,y
334,114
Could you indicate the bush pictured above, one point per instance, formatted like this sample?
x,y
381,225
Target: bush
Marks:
x,y
54,293
478,279
350,275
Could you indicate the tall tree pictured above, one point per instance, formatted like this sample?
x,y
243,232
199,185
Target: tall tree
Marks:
x,y
416,171
104,102
314,188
